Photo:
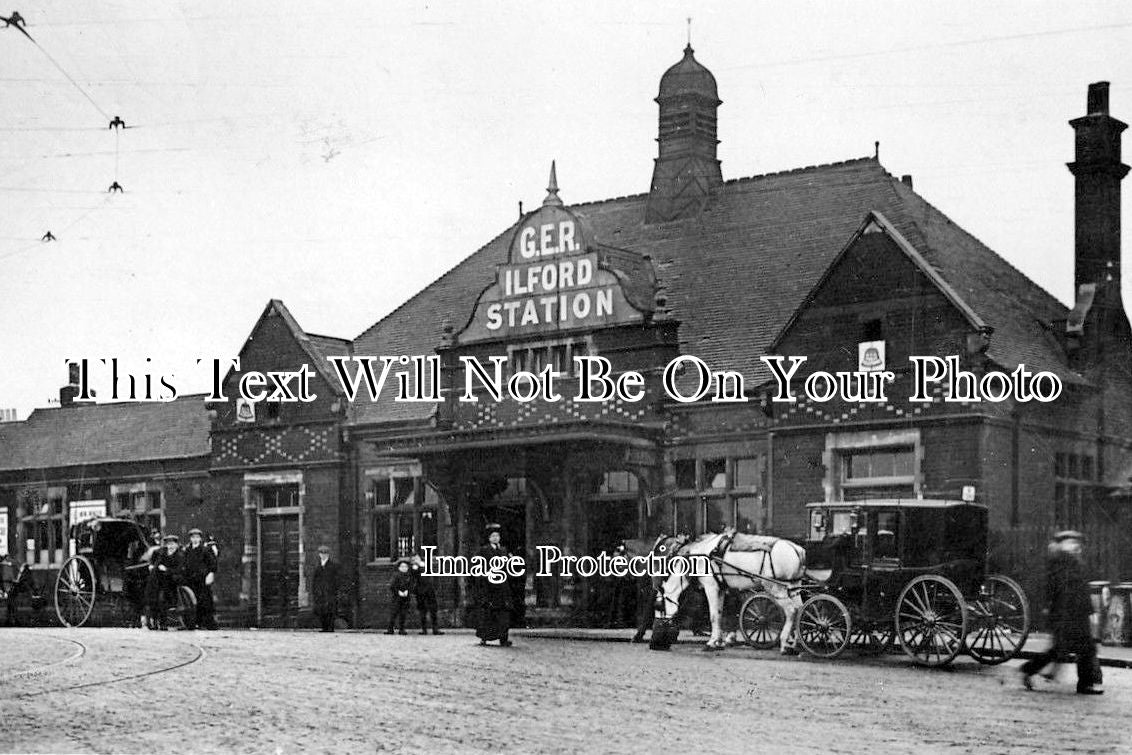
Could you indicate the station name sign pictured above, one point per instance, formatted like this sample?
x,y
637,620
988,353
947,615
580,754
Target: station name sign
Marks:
x,y
552,281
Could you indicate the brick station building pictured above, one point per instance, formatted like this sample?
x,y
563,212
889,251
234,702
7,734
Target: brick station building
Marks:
x,y
843,264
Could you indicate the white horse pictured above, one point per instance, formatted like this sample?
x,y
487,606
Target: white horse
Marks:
x,y
782,562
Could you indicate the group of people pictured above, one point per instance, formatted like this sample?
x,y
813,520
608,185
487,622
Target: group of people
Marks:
x,y
170,567
409,583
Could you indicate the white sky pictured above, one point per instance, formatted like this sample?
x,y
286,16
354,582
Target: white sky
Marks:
x,y
340,156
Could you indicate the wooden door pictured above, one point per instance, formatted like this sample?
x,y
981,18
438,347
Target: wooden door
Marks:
x,y
279,568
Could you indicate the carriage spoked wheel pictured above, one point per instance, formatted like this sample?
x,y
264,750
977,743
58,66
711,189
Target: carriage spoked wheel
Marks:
x,y
1000,621
75,591
761,621
871,640
931,620
824,626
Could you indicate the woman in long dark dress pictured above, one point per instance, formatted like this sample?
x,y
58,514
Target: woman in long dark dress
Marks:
x,y
494,598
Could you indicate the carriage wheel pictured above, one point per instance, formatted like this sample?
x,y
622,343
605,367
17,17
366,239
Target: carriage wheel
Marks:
x,y
931,620
871,640
75,591
178,617
824,626
761,621
1000,621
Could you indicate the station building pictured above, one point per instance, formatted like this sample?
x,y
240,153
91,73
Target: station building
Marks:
x,y
843,264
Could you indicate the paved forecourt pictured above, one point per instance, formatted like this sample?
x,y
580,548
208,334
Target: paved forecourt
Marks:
x,y
123,690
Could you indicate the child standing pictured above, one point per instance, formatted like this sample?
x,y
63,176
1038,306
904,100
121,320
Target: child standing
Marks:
x,y
401,589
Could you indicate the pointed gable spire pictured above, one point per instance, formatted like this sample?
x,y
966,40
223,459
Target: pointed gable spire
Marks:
x,y
552,198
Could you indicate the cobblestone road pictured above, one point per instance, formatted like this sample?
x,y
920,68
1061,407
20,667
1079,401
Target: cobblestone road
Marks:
x,y
108,690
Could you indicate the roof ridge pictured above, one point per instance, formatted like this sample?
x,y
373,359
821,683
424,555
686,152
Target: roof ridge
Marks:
x,y
102,404
592,204
332,338
819,166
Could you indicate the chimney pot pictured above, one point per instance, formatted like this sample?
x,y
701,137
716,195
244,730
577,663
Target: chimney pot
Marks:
x,y
906,179
1098,98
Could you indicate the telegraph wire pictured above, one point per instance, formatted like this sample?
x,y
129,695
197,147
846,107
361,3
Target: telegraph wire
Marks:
x,y
937,46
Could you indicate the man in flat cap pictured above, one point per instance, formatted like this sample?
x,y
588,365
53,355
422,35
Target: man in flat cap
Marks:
x,y
494,599
200,573
1067,594
169,569
324,589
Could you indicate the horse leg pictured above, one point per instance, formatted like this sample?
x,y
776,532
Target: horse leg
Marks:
x,y
646,597
715,610
790,605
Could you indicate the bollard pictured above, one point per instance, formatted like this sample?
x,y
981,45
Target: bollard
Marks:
x,y
1100,595
1118,628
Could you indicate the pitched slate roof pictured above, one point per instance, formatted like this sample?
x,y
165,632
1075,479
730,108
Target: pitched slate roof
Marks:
x,y
106,433
736,273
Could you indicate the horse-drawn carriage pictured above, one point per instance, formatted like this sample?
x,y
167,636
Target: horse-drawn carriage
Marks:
x,y
108,575
878,572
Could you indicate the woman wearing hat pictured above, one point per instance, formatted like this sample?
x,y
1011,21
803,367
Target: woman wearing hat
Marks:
x,y
1067,593
494,599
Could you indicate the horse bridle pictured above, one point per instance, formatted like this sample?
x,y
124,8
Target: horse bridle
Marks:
x,y
661,598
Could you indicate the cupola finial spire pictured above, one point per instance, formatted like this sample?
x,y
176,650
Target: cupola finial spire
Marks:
x,y
552,197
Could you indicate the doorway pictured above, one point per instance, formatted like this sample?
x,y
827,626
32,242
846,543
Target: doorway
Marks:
x,y
279,568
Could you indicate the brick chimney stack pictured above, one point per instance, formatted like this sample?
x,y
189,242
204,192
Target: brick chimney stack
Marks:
x,y
1098,331
1097,171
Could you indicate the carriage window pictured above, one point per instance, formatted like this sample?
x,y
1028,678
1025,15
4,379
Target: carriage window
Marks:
x,y
618,482
884,538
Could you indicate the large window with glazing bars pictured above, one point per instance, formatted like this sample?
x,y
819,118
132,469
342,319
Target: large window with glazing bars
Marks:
x,y
404,513
558,354
42,514
716,492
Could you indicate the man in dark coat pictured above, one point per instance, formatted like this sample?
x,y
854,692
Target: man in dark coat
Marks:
x,y
169,573
324,589
200,572
1067,594
425,588
494,598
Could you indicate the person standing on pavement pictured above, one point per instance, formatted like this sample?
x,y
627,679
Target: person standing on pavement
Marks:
x,y
200,573
169,571
425,589
1070,606
401,593
494,599
324,589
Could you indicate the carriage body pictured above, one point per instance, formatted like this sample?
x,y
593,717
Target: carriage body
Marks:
x,y
873,549
913,572
880,572
109,572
